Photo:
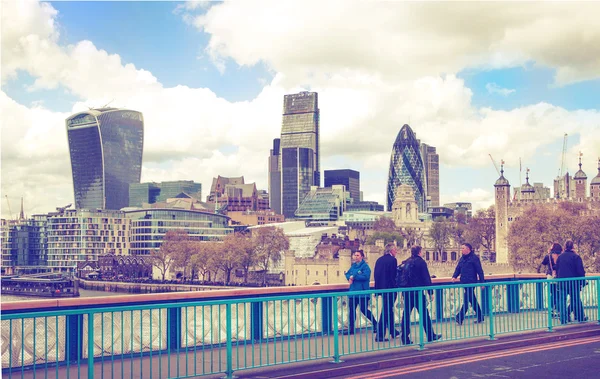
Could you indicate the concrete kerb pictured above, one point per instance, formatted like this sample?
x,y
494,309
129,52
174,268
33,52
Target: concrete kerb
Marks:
x,y
404,356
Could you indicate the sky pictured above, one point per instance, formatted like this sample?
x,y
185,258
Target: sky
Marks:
x,y
472,79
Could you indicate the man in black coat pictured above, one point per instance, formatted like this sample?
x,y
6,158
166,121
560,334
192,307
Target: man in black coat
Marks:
x,y
470,271
570,265
418,275
385,278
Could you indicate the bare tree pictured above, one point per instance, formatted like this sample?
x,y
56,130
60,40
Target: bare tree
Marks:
x,y
269,242
162,260
440,233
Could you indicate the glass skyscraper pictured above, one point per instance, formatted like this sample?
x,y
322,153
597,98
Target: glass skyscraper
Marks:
x,y
346,177
406,167
106,148
300,162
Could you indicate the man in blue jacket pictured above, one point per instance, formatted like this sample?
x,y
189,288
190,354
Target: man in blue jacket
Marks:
x,y
570,265
470,271
359,278
385,277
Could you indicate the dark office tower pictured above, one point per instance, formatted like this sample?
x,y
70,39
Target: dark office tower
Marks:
x,y
169,190
349,178
143,193
300,167
406,167
106,147
431,161
275,177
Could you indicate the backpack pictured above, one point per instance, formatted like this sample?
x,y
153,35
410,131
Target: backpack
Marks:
x,y
403,274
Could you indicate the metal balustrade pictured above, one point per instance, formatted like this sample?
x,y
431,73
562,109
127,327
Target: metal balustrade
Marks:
x,y
193,338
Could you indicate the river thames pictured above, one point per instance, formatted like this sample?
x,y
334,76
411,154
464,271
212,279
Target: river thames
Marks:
x,y
82,293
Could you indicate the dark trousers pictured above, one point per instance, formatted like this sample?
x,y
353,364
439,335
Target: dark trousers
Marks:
x,y
386,319
469,298
363,303
411,301
554,293
573,290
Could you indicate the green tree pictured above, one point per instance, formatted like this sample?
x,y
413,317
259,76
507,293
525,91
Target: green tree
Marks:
x,y
269,242
234,252
533,232
384,224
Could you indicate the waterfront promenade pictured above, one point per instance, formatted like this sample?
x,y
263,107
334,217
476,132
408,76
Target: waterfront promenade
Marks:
x,y
194,334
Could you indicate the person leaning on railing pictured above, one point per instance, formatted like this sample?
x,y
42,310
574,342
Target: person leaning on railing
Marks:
x,y
359,278
570,265
469,269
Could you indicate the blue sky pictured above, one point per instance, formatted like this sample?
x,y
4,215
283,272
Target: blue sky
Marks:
x,y
509,86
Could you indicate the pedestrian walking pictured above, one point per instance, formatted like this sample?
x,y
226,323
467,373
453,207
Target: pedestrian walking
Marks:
x,y
385,278
359,278
470,271
570,265
550,262
417,276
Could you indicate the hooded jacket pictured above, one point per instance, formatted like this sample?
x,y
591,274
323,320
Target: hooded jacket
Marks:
x,y
362,276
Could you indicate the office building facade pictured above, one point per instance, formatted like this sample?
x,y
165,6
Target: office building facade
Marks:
x,y
275,177
431,162
406,167
143,193
300,160
151,193
349,178
105,147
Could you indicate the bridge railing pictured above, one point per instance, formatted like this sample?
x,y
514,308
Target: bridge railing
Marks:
x,y
166,336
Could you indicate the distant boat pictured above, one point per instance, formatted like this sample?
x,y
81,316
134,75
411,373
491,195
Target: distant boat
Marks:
x,y
40,285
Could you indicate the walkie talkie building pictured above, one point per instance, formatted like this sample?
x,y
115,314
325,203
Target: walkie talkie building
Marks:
x,y
406,167
105,147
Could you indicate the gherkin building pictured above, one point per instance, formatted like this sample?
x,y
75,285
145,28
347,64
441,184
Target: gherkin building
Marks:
x,y
406,167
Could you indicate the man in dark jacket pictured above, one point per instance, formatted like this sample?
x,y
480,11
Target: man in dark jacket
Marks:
x,y
470,271
570,265
385,278
418,275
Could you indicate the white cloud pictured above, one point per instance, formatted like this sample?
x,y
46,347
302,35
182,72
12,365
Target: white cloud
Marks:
x,y
480,198
495,88
404,40
365,98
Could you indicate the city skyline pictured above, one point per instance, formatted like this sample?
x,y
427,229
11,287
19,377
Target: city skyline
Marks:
x,y
210,81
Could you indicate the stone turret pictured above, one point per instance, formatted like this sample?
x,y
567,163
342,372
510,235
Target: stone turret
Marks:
x,y
580,183
502,198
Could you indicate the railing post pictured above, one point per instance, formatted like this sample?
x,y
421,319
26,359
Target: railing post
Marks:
x,y
74,331
326,310
256,317
336,345
598,298
173,323
420,295
550,296
490,308
229,369
90,345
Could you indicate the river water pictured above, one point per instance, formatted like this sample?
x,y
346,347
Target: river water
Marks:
x,y
82,293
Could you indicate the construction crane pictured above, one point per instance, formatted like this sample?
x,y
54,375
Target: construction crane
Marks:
x,y
495,165
564,153
8,203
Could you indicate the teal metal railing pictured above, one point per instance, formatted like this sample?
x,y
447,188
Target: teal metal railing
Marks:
x,y
221,336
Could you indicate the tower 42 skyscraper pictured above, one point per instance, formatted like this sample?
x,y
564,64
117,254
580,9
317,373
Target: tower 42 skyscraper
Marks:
x,y
406,167
300,166
106,147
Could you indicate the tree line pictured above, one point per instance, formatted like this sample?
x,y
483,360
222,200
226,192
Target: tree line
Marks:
x,y
237,251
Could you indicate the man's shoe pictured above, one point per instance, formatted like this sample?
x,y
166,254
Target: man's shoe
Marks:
x,y
479,321
348,332
377,339
396,334
459,322
435,337
407,342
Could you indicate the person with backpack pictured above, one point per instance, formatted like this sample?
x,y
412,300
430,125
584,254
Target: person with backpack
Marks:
x,y
359,277
385,275
413,272
570,265
470,271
